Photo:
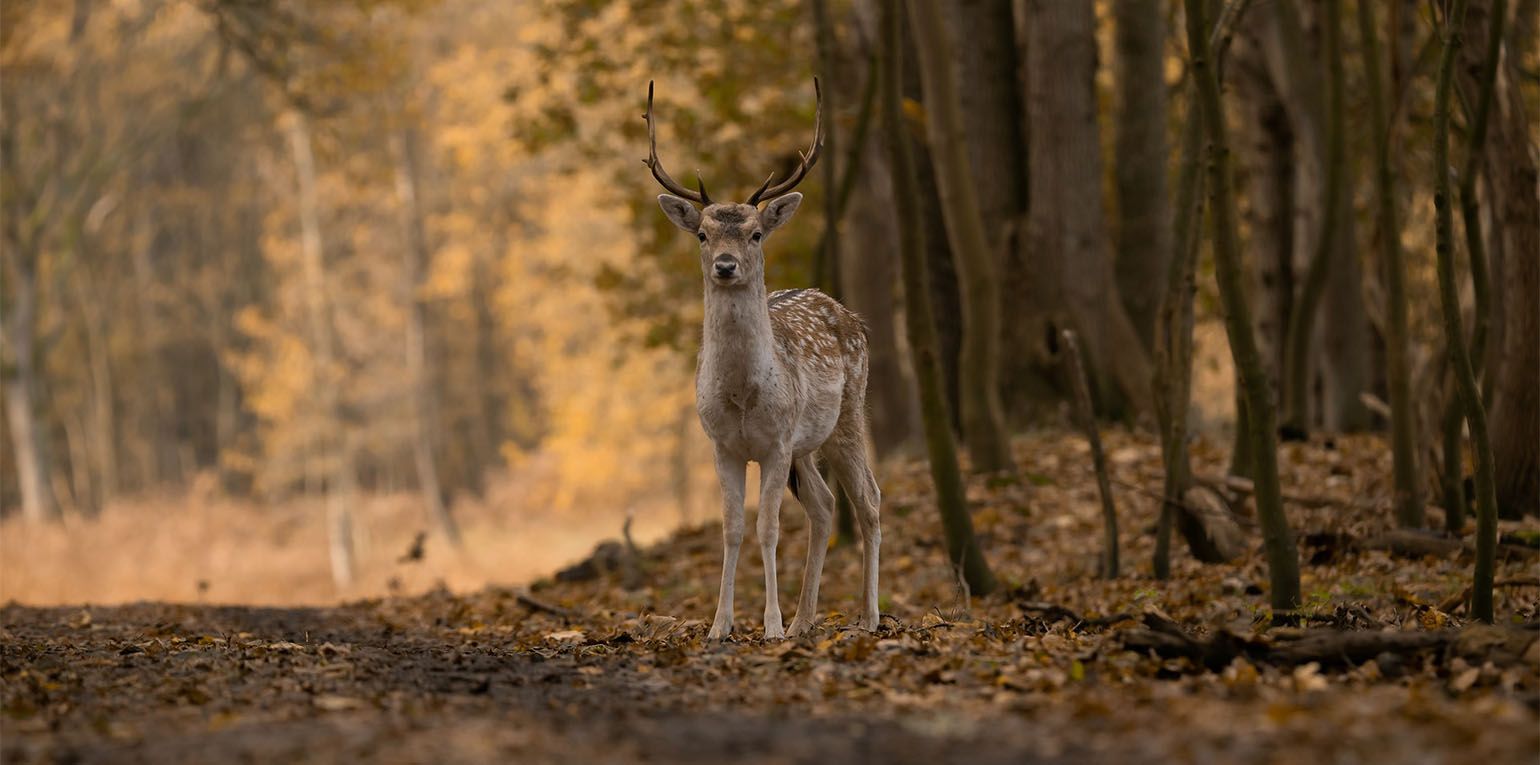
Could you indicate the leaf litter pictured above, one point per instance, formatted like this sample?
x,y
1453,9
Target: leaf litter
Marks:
x,y
1059,666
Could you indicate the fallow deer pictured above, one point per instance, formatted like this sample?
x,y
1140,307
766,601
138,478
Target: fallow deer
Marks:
x,y
780,379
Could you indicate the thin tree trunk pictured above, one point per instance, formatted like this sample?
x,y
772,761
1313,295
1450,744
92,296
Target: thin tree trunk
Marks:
x,y
983,423
1087,417
1282,556
1173,339
1454,336
951,498
335,444
1144,217
414,259
1296,370
1403,418
38,504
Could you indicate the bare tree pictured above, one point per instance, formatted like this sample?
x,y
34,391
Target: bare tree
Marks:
x,y
1278,541
1454,335
336,445
982,419
1403,418
951,496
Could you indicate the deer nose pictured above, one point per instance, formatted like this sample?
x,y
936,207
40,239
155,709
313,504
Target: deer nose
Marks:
x,y
725,267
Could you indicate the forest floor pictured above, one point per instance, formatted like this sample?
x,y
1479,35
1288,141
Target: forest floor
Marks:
x,y
609,663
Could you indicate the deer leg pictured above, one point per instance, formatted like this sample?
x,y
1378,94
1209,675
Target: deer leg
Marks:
x,y
730,474
772,484
854,473
818,500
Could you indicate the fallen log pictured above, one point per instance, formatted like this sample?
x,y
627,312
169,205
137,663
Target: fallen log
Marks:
x,y
1334,648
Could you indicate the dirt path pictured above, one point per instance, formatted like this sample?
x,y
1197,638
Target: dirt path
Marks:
x,y
166,684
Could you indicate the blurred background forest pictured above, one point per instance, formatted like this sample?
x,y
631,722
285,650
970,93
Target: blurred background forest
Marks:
x,y
288,284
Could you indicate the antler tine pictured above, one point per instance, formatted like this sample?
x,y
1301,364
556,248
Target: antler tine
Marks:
x,y
658,172
755,198
808,158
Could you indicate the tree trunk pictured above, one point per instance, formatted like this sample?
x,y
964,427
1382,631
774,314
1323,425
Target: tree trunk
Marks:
x,y
1511,164
1331,163
870,278
1454,336
1074,284
27,440
1282,556
335,443
951,497
1144,217
1403,417
983,424
988,65
414,260
1266,145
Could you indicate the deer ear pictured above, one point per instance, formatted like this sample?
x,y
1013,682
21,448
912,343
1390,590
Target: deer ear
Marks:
x,y
680,211
779,211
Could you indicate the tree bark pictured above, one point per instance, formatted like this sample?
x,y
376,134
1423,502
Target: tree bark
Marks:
x,y
983,423
1267,145
1454,336
1403,417
1074,284
951,498
1278,541
28,444
1144,215
1511,162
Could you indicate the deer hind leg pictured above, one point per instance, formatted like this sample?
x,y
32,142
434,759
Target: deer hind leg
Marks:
x,y
853,471
730,473
818,500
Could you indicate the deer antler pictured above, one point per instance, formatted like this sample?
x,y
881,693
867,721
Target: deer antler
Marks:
x,y
809,157
658,172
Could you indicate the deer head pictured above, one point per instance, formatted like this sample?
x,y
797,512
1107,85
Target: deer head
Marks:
x,y
732,235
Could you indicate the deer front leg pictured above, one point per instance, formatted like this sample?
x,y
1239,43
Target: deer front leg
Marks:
x,y
773,472
730,472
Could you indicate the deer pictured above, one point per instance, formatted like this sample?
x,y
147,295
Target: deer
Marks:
x,y
780,381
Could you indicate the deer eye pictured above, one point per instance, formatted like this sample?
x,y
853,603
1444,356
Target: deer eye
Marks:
x,y
701,235
756,237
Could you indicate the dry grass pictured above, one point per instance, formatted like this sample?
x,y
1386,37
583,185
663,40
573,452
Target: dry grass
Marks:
x,y
195,546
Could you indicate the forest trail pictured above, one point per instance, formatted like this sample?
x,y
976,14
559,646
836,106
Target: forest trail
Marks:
x,y
1061,667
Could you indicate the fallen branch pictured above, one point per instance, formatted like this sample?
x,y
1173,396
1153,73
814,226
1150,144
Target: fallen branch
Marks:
x,y
534,604
1462,598
1244,487
1053,612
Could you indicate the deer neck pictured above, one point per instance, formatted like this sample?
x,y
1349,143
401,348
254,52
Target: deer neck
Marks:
x,y
737,344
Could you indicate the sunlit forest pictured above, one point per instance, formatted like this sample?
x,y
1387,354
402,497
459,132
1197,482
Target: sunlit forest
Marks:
x,y
351,406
